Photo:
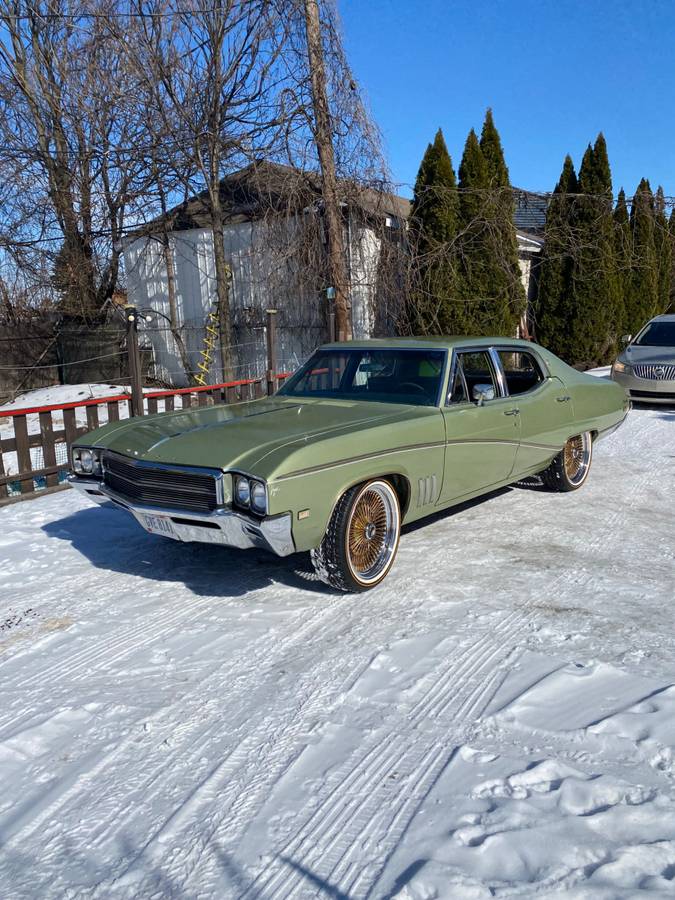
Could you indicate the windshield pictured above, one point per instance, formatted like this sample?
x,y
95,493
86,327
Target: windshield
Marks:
x,y
656,334
382,375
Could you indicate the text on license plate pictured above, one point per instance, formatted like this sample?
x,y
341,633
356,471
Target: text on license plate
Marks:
x,y
159,525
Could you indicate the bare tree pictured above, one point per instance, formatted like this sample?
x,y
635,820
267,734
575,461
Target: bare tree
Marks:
x,y
323,137
211,72
66,120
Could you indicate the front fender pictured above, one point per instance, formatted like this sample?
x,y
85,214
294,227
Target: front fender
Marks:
x,y
313,489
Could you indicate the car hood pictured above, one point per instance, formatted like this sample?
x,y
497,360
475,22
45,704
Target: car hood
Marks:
x,y
240,436
636,354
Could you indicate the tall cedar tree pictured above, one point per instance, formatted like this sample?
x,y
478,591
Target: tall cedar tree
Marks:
x,y
433,229
664,251
594,322
502,214
472,274
642,295
623,254
555,282
487,267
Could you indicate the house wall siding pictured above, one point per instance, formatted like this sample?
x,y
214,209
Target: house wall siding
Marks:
x,y
264,275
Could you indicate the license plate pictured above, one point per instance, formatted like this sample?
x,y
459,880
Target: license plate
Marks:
x,y
159,525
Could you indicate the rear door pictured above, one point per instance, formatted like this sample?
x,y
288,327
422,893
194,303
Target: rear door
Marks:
x,y
544,405
481,440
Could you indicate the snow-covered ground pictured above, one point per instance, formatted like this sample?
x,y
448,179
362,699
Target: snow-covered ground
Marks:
x,y
496,719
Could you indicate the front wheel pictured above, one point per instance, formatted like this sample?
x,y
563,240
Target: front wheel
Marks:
x,y
569,470
362,537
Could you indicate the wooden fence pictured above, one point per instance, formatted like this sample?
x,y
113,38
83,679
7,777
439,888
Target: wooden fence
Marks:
x,y
40,437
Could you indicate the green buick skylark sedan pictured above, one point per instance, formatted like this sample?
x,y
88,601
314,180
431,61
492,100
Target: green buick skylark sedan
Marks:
x,y
365,437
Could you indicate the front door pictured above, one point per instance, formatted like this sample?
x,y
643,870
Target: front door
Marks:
x,y
482,436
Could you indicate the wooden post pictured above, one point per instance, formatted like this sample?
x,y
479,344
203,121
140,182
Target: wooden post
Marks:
x,y
48,447
23,452
131,316
3,485
70,427
271,332
92,417
331,327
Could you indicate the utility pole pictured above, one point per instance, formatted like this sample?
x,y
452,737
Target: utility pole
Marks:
x,y
271,335
337,264
131,319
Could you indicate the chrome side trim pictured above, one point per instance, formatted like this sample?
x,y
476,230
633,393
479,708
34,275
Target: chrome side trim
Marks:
x,y
224,526
310,470
362,458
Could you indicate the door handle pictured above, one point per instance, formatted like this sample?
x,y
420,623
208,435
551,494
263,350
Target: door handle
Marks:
x,y
563,399
511,412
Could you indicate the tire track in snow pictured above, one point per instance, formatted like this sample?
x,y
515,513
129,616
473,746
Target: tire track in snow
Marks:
x,y
379,786
94,789
238,788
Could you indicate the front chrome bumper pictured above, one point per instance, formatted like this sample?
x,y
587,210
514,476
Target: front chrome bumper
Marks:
x,y
222,526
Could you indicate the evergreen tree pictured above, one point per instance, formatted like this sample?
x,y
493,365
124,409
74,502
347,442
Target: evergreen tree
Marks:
x,y
623,255
488,273
594,322
502,209
491,145
433,228
642,295
664,250
557,264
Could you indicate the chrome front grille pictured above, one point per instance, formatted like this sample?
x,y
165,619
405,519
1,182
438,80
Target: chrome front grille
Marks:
x,y
655,372
159,485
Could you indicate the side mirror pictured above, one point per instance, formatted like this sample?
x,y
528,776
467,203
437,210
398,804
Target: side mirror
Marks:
x,y
483,392
626,339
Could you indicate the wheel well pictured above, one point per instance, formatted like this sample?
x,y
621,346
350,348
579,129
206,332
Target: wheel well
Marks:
x,y
402,487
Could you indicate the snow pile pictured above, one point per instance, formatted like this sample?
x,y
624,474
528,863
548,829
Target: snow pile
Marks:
x,y
62,393
495,719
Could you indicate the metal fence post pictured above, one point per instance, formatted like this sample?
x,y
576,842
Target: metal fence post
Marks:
x,y
271,333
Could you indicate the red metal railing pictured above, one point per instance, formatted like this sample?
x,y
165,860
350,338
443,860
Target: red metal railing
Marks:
x,y
35,453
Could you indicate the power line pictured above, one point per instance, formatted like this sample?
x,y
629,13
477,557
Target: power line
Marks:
x,y
73,362
130,14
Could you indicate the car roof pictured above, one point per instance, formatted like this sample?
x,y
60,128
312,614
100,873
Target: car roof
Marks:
x,y
665,317
425,343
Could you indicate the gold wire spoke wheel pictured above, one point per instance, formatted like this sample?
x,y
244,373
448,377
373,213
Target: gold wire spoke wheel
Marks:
x,y
372,532
577,457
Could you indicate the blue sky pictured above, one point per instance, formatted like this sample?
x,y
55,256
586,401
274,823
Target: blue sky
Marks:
x,y
554,73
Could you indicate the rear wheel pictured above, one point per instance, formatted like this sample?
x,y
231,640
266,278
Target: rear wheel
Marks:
x,y
569,470
361,540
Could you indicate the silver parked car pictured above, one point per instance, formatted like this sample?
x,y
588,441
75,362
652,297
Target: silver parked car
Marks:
x,y
646,367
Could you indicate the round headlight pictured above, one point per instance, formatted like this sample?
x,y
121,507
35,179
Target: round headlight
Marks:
x,y
242,491
87,461
258,497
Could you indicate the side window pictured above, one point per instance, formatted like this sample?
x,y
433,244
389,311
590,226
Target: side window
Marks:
x,y
521,369
472,368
